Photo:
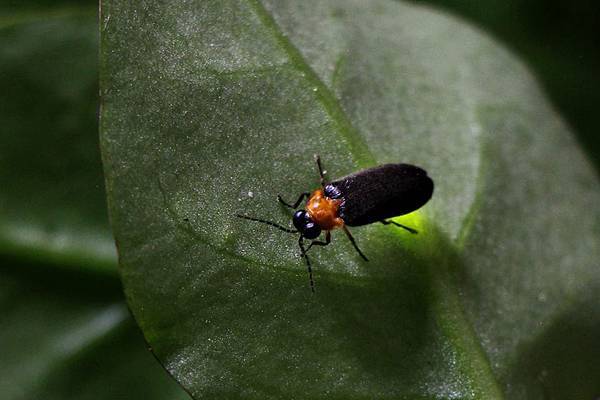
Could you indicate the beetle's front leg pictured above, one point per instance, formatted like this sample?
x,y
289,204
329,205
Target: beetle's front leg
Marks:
x,y
296,204
319,243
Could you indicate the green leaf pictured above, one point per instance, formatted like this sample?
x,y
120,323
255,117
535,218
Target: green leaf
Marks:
x,y
212,108
52,206
10,8
64,337
560,46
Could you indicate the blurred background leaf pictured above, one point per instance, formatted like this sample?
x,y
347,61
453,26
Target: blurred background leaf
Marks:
x,y
66,331
69,335
55,208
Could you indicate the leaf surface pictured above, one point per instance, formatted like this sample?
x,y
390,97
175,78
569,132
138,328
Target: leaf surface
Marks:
x,y
211,109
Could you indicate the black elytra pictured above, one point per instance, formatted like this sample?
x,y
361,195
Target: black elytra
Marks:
x,y
365,197
379,193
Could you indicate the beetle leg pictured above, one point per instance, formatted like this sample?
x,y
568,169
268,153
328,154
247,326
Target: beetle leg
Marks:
x,y
319,243
354,243
321,173
296,204
310,276
411,230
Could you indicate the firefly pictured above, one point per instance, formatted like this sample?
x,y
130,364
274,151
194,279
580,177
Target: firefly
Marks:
x,y
369,196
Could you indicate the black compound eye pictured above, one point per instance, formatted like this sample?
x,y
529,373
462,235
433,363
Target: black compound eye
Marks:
x,y
311,230
300,219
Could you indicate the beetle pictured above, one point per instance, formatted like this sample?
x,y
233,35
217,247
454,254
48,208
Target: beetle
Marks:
x,y
365,197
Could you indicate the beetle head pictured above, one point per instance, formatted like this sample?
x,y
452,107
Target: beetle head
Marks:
x,y
306,225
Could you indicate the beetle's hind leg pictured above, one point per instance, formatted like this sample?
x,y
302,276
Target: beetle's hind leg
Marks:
x,y
347,232
411,230
296,204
